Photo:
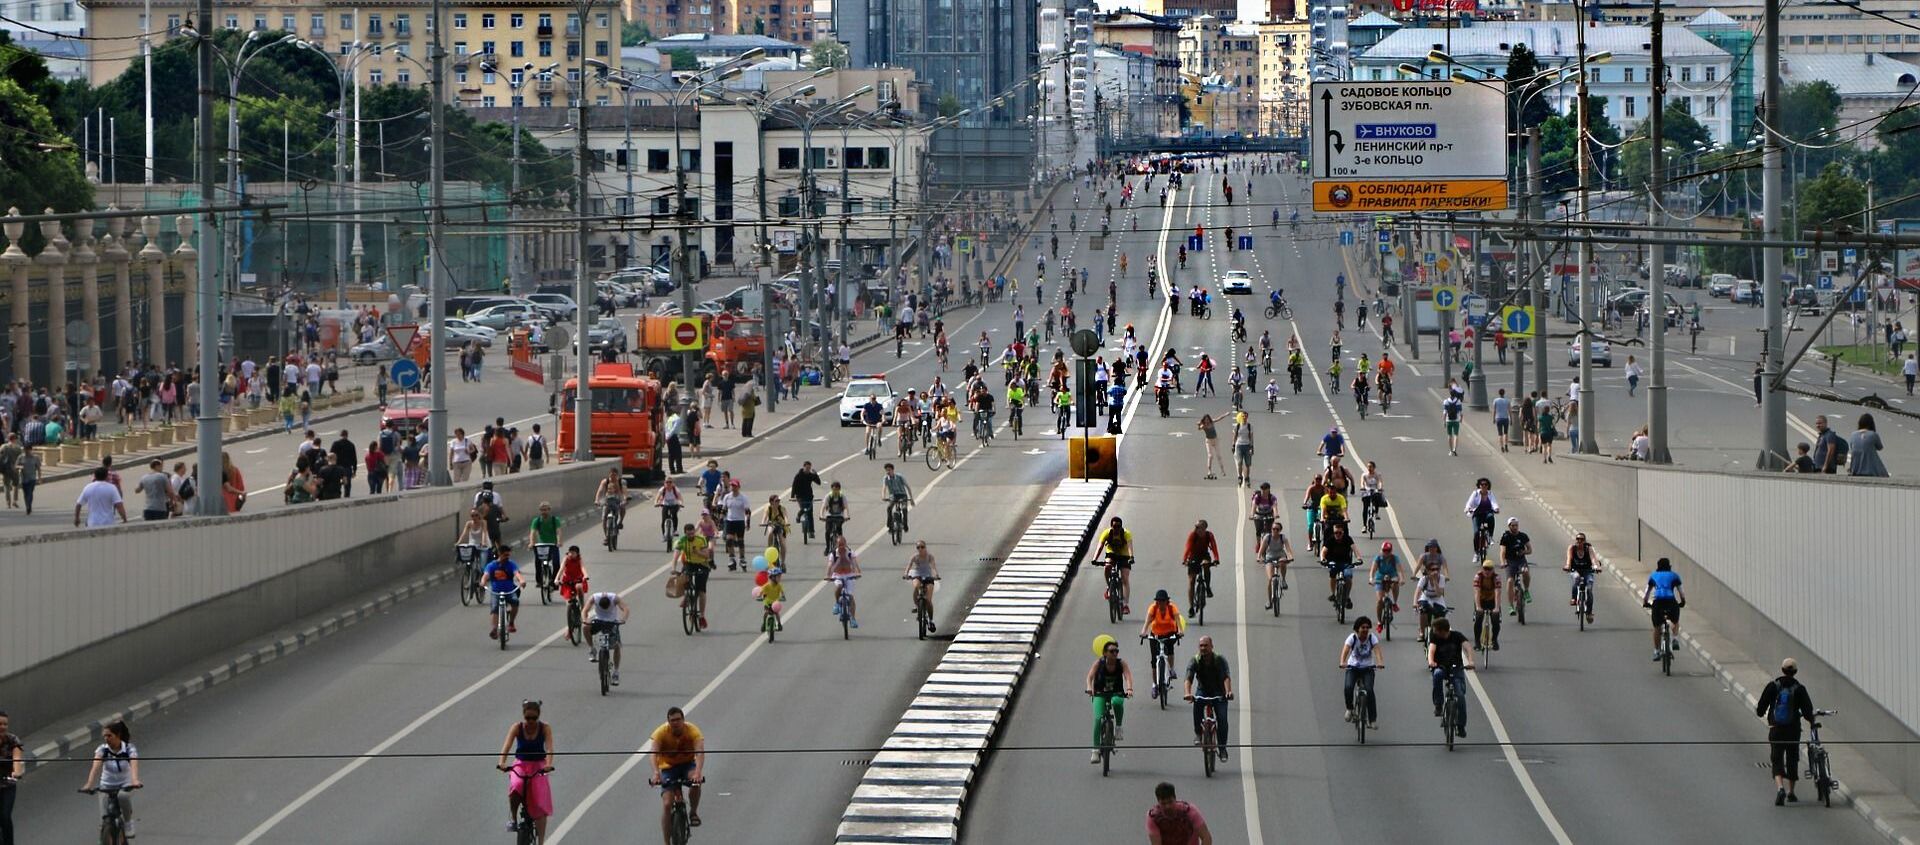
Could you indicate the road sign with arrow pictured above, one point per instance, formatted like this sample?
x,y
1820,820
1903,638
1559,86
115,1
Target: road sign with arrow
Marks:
x,y
1412,145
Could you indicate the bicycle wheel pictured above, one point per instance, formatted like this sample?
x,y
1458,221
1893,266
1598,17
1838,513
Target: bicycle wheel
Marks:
x,y
462,578
689,614
1207,749
932,453
1580,609
771,623
1452,718
546,584
1273,593
1200,604
1163,685
603,657
1340,601
1360,714
1520,607
612,529
523,832
679,825
573,623
1113,604
501,626
1106,743
922,618
1822,775
1386,623
1666,653
845,629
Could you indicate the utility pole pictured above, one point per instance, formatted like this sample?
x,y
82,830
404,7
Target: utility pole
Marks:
x,y
1522,282
1469,267
1773,402
207,439
682,260
583,281
439,436
1657,253
146,80
1584,338
1537,292
846,254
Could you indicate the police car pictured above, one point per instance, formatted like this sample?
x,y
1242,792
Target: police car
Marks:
x,y
1237,282
858,389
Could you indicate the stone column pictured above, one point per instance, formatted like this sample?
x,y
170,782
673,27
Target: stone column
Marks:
x,y
54,258
156,262
17,263
114,251
88,261
184,257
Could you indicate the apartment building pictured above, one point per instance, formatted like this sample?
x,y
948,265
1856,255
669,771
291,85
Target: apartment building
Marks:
x,y
1156,39
787,20
1286,52
1221,62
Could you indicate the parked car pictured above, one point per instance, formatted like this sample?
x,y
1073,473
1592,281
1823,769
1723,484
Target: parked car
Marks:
x,y
463,327
1720,289
1602,352
1628,303
1745,290
557,307
380,348
504,316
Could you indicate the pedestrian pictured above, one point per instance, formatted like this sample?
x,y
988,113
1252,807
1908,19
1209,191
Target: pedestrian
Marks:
x,y
1784,704
158,488
672,430
1500,344
1864,450
348,458
499,451
1829,451
1210,436
99,501
536,449
10,453
1910,369
1547,434
1633,374
516,450
708,394
691,428
460,455
376,469
30,464
1172,821
288,405
1759,374
485,456
1502,417
410,470
749,405
724,388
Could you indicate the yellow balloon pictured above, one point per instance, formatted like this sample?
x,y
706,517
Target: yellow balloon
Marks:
x,y
1100,644
773,555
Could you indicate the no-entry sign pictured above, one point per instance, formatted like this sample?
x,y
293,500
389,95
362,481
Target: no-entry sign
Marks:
x,y
686,335
723,322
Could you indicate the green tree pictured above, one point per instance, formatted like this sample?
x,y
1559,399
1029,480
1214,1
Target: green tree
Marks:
x,y
1809,110
1559,169
1684,137
635,33
682,59
1832,199
1896,165
828,53
39,164
949,105
1523,64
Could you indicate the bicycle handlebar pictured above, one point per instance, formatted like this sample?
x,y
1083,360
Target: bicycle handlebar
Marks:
x,y
110,790
543,770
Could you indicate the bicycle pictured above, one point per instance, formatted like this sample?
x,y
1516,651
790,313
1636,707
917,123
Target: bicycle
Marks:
x,y
843,604
466,571
896,519
922,608
983,426
1013,420
603,655
546,567
1276,585
1582,598
1385,613
1516,594
1116,593
836,525
939,453
1163,676
1342,593
524,830
770,621
1665,644
113,826
1202,585
679,824
610,523
1360,399
1362,698
873,442
1281,310
905,440
1368,509
1209,723
576,614
1453,708
1819,765
1109,730
803,513
1483,621
669,523
690,610
503,612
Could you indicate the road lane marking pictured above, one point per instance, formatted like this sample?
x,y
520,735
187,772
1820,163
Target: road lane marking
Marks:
x,y
1248,795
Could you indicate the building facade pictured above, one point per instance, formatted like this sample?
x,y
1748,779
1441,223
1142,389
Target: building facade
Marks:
x,y
787,20
1221,62
1285,59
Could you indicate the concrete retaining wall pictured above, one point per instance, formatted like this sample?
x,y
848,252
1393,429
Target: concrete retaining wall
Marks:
x,y
87,614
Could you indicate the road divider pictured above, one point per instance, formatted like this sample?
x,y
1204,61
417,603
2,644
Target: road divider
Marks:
x,y
915,789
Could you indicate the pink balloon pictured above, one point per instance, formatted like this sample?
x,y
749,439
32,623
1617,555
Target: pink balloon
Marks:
x,y
760,578
777,606
756,592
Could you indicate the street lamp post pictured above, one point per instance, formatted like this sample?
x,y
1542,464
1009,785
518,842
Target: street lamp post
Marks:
x,y
250,49
517,79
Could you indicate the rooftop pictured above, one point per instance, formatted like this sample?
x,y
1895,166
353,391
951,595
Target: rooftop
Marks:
x,y
1852,74
1548,39
720,41
1374,20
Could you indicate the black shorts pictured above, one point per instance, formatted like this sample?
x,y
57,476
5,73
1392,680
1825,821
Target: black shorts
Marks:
x,y
1194,567
1784,753
697,577
595,626
1665,609
1124,562
736,529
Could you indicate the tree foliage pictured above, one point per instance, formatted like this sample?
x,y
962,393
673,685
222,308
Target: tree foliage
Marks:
x,y
635,33
682,59
828,53
39,164
1523,64
1832,199
1559,168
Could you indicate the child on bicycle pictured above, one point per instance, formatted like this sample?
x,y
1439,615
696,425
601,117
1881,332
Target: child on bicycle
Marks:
x,y
573,574
773,596
776,523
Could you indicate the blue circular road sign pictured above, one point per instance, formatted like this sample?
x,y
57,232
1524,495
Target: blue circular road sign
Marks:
x,y
406,373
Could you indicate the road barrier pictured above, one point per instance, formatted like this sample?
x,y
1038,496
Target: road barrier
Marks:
x,y
916,787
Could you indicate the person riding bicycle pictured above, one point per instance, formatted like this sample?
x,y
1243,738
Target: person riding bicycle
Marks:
x,y
1016,399
896,490
1360,388
607,611
1385,578
1163,625
504,582
1275,552
1360,656
544,528
1372,492
905,414
1336,554
612,490
1487,597
1116,545
843,568
1515,545
1201,550
803,483
1383,377
1332,445
530,743
1447,656
775,521
1265,505
1209,678
1664,595
1183,257
693,557
1109,684
871,415
1062,410
836,508
1273,392
923,570
1582,563
114,772
572,579
679,757
1481,506
982,404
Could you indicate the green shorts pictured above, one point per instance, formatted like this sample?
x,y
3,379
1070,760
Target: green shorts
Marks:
x,y
1453,428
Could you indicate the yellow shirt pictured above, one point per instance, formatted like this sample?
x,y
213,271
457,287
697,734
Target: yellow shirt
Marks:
x,y
695,550
670,750
1124,547
1332,503
771,592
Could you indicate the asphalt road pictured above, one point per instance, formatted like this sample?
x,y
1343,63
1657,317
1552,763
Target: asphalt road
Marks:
x,y
386,731
1591,743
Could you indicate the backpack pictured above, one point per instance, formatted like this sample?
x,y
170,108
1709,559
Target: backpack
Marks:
x,y
537,448
1174,822
1839,451
1781,715
389,442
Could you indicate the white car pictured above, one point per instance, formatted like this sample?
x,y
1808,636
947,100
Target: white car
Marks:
x,y
504,316
458,327
1237,282
858,389
556,307
1602,352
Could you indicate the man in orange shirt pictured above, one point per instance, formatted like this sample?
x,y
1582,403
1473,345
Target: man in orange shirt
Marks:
x,y
679,759
1202,551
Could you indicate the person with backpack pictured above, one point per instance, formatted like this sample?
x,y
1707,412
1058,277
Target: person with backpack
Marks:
x,y
1171,821
1664,595
536,449
1784,704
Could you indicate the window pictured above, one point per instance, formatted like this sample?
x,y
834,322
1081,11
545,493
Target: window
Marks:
x,y
546,22
1713,106
546,49
1627,104
460,75
856,158
600,49
519,100
787,158
657,159
487,101
259,23
573,49
879,157
403,76
486,21
600,20
516,20
487,76
459,48
460,20
1593,74
1712,73
546,101
233,21
1686,73
317,23
1873,39
517,49
852,205
373,24
573,75
486,47
1626,74
1817,39
661,206
286,23
789,207
603,100
516,77
403,49
1853,39
1796,39
374,77
346,22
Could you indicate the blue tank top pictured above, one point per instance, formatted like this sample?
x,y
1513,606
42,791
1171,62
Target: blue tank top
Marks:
x,y
529,749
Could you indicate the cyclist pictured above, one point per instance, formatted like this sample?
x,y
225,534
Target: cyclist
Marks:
x,y
837,512
923,570
1109,684
1237,387
1385,577
693,555
544,529
905,414
1384,378
1332,505
1359,386
1063,410
1515,545
1204,379
775,521
1264,505
1372,492
679,757
772,594
504,580
803,483
1430,589
1486,600
530,741
738,512
1310,503
709,484
1016,399
1200,552
1583,565
1336,554
572,579
896,490
1208,677
1116,542
1664,595
843,566
944,428
1296,369
1481,506
116,767
1163,624
1275,552
1360,655
613,492
982,403
1447,656
1331,446
1273,392
1363,367
1171,821
871,415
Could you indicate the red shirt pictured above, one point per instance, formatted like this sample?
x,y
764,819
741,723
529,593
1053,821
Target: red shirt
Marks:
x,y
1199,544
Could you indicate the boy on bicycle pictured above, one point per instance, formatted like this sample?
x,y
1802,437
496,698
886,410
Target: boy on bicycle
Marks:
x,y
772,594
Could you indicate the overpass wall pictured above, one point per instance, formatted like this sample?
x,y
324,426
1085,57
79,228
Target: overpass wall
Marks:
x,y
89,614
1815,568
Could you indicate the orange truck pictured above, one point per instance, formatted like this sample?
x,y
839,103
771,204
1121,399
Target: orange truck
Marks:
x,y
731,342
626,422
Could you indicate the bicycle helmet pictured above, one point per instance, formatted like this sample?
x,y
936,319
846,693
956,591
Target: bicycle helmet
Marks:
x,y
1386,547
